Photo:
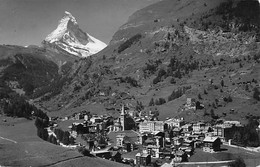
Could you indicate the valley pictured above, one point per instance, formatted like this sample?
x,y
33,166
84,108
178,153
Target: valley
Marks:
x,y
178,83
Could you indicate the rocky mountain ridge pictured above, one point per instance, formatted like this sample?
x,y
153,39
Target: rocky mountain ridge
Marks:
x,y
69,38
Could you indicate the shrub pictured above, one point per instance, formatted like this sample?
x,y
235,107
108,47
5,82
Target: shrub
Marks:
x,y
239,162
129,42
160,101
178,93
222,83
156,80
42,133
173,81
129,80
256,94
151,103
84,151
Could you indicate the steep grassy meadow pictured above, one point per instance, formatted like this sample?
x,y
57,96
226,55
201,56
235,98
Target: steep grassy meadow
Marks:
x,y
20,146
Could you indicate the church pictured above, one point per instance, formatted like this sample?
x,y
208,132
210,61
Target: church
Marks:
x,y
124,122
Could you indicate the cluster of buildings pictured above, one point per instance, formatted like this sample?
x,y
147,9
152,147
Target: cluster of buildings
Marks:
x,y
152,139
177,140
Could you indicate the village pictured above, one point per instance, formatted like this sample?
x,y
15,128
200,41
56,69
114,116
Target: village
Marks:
x,y
143,140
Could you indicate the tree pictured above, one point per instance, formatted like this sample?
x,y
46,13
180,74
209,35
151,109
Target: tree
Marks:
x,y
212,114
139,106
247,88
199,96
66,138
42,133
256,94
54,140
84,151
160,101
156,80
173,81
222,83
151,103
198,105
214,105
229,99
155,164
184,158
205,113
239,162
59,133
71,140
38,123
237,138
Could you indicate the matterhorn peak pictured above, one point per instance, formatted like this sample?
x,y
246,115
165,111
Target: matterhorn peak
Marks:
x,y
70,38
68,16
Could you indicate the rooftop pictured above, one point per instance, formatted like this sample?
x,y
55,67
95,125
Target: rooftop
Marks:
x,y
142,154
210,139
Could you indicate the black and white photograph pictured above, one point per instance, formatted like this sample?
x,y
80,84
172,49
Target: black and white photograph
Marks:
x,y
129,83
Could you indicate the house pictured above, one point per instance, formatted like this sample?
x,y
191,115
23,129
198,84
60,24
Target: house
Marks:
x,y
143,159
151,126
159,141
120,140
178,141
116,127
93,128
226,131
86,117
79,128
200,128
175,123
180,156
95,119
235,123
176,132
78,116
190,104
187,128
153,150
102,154
129,146
211,144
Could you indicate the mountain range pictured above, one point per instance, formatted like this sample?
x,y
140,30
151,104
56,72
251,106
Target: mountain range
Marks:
x,y
206,50
33,70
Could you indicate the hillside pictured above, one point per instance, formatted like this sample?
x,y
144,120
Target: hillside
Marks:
x,y
170,51
20,146
32,70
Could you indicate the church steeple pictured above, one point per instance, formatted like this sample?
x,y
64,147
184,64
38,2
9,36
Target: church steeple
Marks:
x,y
122,117
123,110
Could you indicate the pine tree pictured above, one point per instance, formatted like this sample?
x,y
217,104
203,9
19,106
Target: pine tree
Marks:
x,y
237,138
199,96
222,83
151,103
256,94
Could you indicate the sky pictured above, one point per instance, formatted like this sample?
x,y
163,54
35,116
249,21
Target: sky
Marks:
x,y
28,22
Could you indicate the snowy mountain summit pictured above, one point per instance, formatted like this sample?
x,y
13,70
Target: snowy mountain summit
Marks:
x,y
70,38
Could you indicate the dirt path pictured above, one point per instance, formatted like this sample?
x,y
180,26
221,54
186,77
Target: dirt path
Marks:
x,y
8,140
204,163
62,161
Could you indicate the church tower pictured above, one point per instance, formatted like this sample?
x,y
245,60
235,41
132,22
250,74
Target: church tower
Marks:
x,y
123,117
